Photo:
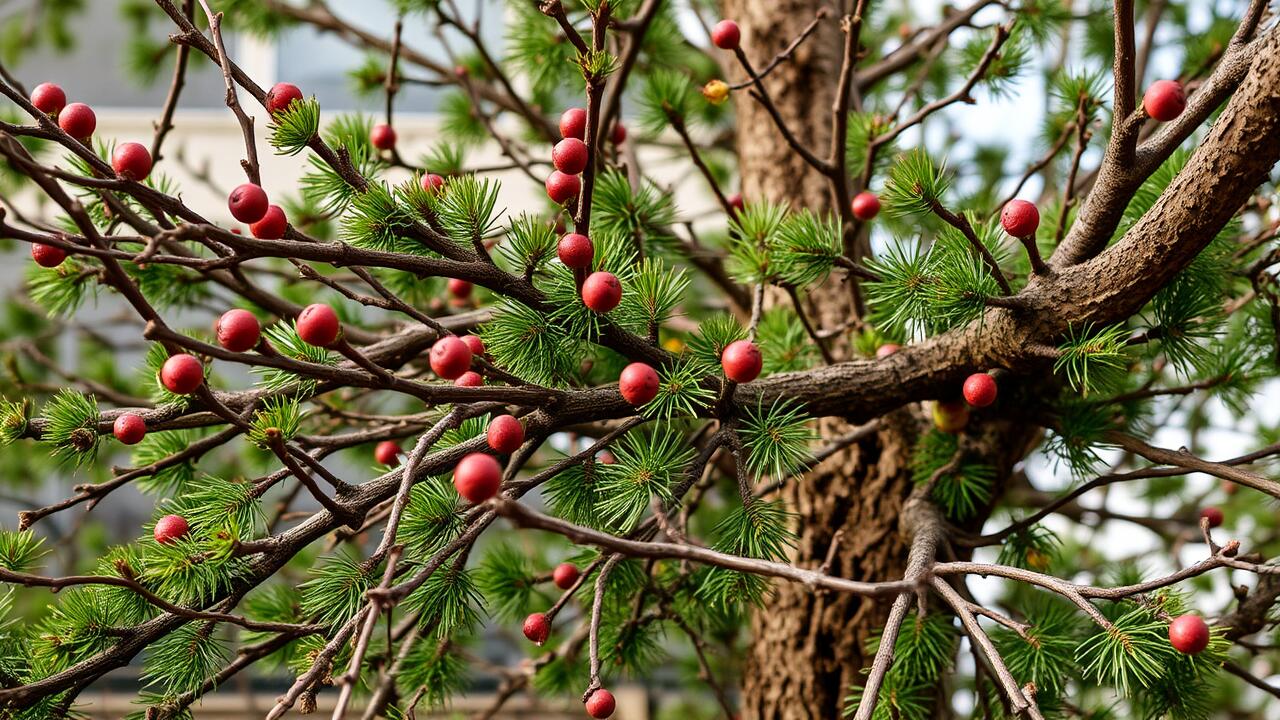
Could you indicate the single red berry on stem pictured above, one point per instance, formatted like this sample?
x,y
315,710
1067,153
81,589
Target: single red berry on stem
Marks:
x,y
565,575
866,205
460,289
618,135
78,121
607,458
601,291
576,251
238,330
182,374
742,361
887,349
573,123
169,528
48,98
1188,634
129,428
735,202
1214,515
726,35
475,343
450,357
281,95
601,704
248,203
1020,218
477,477
131,161
562,188
505,434
537,628
47,256
383,136
387,453
570,156
432,183
980,390
638,383
272,226
470,378
318,325
1164,100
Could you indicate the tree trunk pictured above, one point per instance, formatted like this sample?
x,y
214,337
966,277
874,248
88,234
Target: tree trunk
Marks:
x,y
809,648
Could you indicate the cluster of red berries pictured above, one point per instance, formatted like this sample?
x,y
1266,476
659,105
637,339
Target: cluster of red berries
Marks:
x,y
741,362
130,160
571,155
77,119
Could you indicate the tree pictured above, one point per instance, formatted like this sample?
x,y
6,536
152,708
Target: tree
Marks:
x,y
801,433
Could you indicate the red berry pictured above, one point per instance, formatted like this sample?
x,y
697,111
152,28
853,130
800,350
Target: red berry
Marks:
x,y
866,205
78,121
638,383
576,251
1213,515
238,330
318,325
170,528
477,477
536,628
387,453
601,291
432,183
129,429
573,123
248,203
561,188
726,35
470,378
1164,100
47,255
475,343
887,349
450,357
460,289
601,704
1188,634
619,134
741,361
383,136
980,390
272,225
182,374
505,434
570,156
48,98
1020,218
607,458
735,202
281,96
131,161
565,575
